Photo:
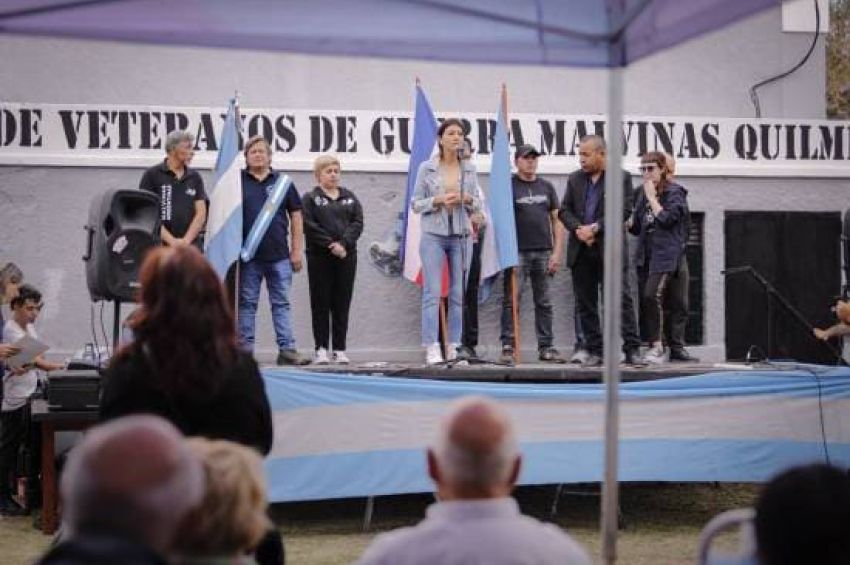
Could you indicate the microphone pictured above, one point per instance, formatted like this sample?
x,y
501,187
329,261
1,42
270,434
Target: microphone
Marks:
x,y
461,153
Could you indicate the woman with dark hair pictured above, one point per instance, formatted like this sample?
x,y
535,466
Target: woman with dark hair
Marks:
x,y
183,363
445,227
660,220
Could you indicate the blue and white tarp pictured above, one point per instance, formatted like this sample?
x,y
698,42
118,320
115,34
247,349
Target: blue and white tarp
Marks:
x,y
347,435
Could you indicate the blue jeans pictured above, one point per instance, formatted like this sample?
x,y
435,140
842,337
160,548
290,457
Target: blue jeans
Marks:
x,y
278,275
433,251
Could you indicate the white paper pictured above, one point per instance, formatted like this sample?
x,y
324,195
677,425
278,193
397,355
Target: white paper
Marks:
x,y
30,349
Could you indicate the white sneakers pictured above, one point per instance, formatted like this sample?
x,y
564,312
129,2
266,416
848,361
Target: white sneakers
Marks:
x,y
451,354
655,355
433,355
320,357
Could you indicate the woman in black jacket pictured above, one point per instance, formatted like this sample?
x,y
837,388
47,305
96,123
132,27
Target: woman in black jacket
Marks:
x,y
333,221
660,220
184,365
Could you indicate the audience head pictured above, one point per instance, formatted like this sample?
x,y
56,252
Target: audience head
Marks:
x,y
134,478
11,278
803,516
476,453
184,321
231,519
592,152
27,304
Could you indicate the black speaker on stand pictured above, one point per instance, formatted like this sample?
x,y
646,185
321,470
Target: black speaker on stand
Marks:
x,y
122,226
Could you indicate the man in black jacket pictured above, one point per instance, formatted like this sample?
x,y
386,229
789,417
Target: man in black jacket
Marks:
x,y
583,213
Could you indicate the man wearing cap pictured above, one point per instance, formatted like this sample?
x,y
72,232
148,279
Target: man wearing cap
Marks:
x,y
540,238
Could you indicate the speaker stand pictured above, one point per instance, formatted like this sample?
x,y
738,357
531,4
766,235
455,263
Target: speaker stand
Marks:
x,y
116,324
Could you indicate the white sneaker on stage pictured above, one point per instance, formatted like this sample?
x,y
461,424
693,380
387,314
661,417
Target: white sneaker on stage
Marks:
x,y
320,357
433,355
340,358
655,356
451,354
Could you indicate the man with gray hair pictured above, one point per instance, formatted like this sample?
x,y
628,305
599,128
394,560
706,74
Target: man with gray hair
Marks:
x,y
474,464
182,199
125,489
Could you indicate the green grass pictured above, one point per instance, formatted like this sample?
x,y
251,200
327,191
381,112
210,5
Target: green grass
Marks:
x,y
660,522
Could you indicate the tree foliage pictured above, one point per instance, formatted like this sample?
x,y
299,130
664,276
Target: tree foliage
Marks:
x,y
838,61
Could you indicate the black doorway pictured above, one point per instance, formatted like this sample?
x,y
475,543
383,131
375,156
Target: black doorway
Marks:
x,y
799,253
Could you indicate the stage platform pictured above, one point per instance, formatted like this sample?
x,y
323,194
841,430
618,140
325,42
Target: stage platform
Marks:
x,y
363,430
529,372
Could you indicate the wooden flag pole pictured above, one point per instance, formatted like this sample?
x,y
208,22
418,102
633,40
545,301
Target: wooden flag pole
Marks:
x,y
444,326
514,285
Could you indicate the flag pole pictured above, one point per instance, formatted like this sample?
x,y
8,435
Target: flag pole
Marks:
x,y
514,286
236,273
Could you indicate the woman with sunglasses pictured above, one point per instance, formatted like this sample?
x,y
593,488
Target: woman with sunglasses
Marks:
x,y
660,220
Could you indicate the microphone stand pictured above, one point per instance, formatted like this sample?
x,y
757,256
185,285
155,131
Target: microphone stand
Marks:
x,y
771,293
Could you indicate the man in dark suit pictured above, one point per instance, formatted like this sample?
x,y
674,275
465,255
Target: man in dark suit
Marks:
x,y
583,213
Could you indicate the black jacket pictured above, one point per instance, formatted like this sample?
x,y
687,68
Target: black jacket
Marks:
x,y
238,411
327,220
669,229
572,210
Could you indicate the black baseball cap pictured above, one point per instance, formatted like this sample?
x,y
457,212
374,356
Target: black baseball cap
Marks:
x,y
526,150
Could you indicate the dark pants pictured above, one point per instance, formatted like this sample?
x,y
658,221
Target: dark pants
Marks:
x,y
469,336
532,265
15,432
331,287
665,305
587,283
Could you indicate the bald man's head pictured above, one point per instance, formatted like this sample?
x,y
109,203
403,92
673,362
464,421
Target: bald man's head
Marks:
x,y
476,452
132,477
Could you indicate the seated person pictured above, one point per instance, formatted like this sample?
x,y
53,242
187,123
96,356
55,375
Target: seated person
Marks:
x,y
231,519
125,489
803,516
19,384
474,465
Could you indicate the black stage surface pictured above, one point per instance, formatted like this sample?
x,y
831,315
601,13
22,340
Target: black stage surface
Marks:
x,y
530,372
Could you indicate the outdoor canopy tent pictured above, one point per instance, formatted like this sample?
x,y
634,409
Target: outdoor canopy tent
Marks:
x,y
587,33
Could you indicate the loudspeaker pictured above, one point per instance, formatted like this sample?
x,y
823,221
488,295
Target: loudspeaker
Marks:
x,y
122,226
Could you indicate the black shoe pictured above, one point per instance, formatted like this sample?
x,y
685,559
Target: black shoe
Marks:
x,y
465,352
507,356
550,355
291,357
682,356
593,360
9,507
632,357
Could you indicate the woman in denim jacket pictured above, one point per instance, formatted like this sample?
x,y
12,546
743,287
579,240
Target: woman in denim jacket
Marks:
x,y
446,228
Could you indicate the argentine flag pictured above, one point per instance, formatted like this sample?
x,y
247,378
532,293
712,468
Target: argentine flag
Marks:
x,y
224,225
499,249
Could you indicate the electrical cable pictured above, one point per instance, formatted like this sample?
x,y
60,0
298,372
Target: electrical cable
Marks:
x,y
754,95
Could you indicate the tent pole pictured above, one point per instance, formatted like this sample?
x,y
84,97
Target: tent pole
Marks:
x,y
612,288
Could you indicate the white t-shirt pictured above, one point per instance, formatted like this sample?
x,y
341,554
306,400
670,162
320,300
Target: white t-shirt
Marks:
x,y
18,388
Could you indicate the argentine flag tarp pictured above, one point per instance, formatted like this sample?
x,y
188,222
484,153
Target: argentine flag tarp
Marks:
x,y
342,435
224,222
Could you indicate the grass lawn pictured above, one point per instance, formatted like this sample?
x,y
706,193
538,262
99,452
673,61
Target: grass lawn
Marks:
x,y
661,522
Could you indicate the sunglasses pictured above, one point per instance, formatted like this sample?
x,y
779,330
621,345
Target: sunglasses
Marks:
x,y
647,168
